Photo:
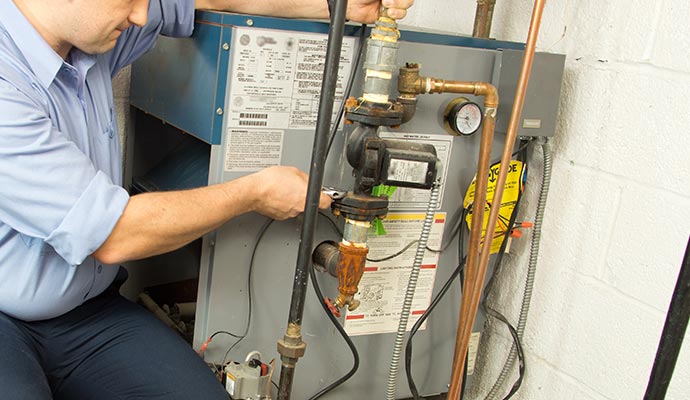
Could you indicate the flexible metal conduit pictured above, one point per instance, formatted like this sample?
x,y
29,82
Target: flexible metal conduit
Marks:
x,y
409,293
291,347
531,269
475,276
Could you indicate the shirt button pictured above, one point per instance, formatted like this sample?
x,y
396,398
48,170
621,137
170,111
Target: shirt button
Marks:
x,y
99,269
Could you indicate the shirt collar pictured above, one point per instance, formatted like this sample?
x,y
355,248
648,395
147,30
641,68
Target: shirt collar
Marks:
x,y
42,59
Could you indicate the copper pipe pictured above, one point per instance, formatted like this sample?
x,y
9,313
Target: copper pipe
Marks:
x,y
472,272
477,284
482,18
410,84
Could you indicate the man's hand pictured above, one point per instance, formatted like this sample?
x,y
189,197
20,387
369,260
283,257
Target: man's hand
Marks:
x,y
367,11
281,192
159,222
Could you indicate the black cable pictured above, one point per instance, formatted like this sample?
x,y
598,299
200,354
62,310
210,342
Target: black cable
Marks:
x,y
456,228
408,347
418,324
225,333
489,286
407,247
520,352
333,131
336,324
260,235
348,88
457,218
521,152
335,226
396,254
435,301
499,257
524,144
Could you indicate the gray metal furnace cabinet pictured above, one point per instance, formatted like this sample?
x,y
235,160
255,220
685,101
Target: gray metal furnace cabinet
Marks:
x,y
242,94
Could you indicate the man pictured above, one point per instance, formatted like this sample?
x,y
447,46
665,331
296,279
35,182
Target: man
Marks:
x,y
65,221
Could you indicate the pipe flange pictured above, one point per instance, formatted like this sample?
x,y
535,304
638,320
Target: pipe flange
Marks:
x,y
360,208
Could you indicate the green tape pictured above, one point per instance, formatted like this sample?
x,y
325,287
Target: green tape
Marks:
x,y
377,228
383,190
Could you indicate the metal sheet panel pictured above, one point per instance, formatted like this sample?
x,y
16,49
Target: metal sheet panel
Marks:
x,y
184,83
223,299
543,93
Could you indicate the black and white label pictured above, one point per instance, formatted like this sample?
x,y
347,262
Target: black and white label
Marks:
x,y
276,77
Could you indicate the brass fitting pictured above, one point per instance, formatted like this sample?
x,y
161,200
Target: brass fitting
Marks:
x,y
291,347
410,83
349,271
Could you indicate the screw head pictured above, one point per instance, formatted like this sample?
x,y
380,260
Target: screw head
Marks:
x,y
250,22
226,46
219,111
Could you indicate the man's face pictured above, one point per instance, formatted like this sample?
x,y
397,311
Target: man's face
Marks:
x,y
95,25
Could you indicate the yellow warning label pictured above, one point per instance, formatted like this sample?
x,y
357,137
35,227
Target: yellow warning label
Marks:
x,y
513,188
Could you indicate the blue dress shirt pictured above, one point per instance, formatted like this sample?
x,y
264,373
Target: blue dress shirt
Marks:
x,y
60,166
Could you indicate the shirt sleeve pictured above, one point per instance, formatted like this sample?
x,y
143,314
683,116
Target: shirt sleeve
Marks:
x,y
50,189
174,18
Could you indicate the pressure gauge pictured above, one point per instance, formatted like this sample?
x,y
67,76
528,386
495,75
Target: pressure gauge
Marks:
x,y
462,117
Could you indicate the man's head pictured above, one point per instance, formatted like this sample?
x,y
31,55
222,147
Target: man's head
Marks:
x,y
92,26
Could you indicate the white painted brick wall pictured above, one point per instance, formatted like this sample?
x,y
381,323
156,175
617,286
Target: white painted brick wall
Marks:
x,y
618,215
619,208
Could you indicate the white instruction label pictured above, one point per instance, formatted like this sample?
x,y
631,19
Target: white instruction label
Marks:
x,y
418,199
252,150
383,285
276,78
230,383
408,171
472,351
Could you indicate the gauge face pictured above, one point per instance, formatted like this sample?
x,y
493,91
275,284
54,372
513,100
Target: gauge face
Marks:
x,y
465,118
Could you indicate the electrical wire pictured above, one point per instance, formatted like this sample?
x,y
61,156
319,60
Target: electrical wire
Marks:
x,y
518,347
315,284
259,236
454,231
265,227
338,327
348,88
517,344
434,302
410,291
521,153
529,280
408,347
333,224
396,254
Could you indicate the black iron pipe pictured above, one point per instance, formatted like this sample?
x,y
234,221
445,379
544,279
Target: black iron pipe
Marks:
x,y
672,335
316,173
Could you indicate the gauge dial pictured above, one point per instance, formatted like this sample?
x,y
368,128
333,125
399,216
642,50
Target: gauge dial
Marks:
x,y
463,116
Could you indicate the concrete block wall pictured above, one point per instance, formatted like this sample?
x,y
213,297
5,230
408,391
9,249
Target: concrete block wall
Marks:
x,y
618,214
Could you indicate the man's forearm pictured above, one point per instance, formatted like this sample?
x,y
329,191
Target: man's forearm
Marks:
x,y
155,223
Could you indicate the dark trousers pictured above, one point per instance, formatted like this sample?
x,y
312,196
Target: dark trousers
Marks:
x,y
106,349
